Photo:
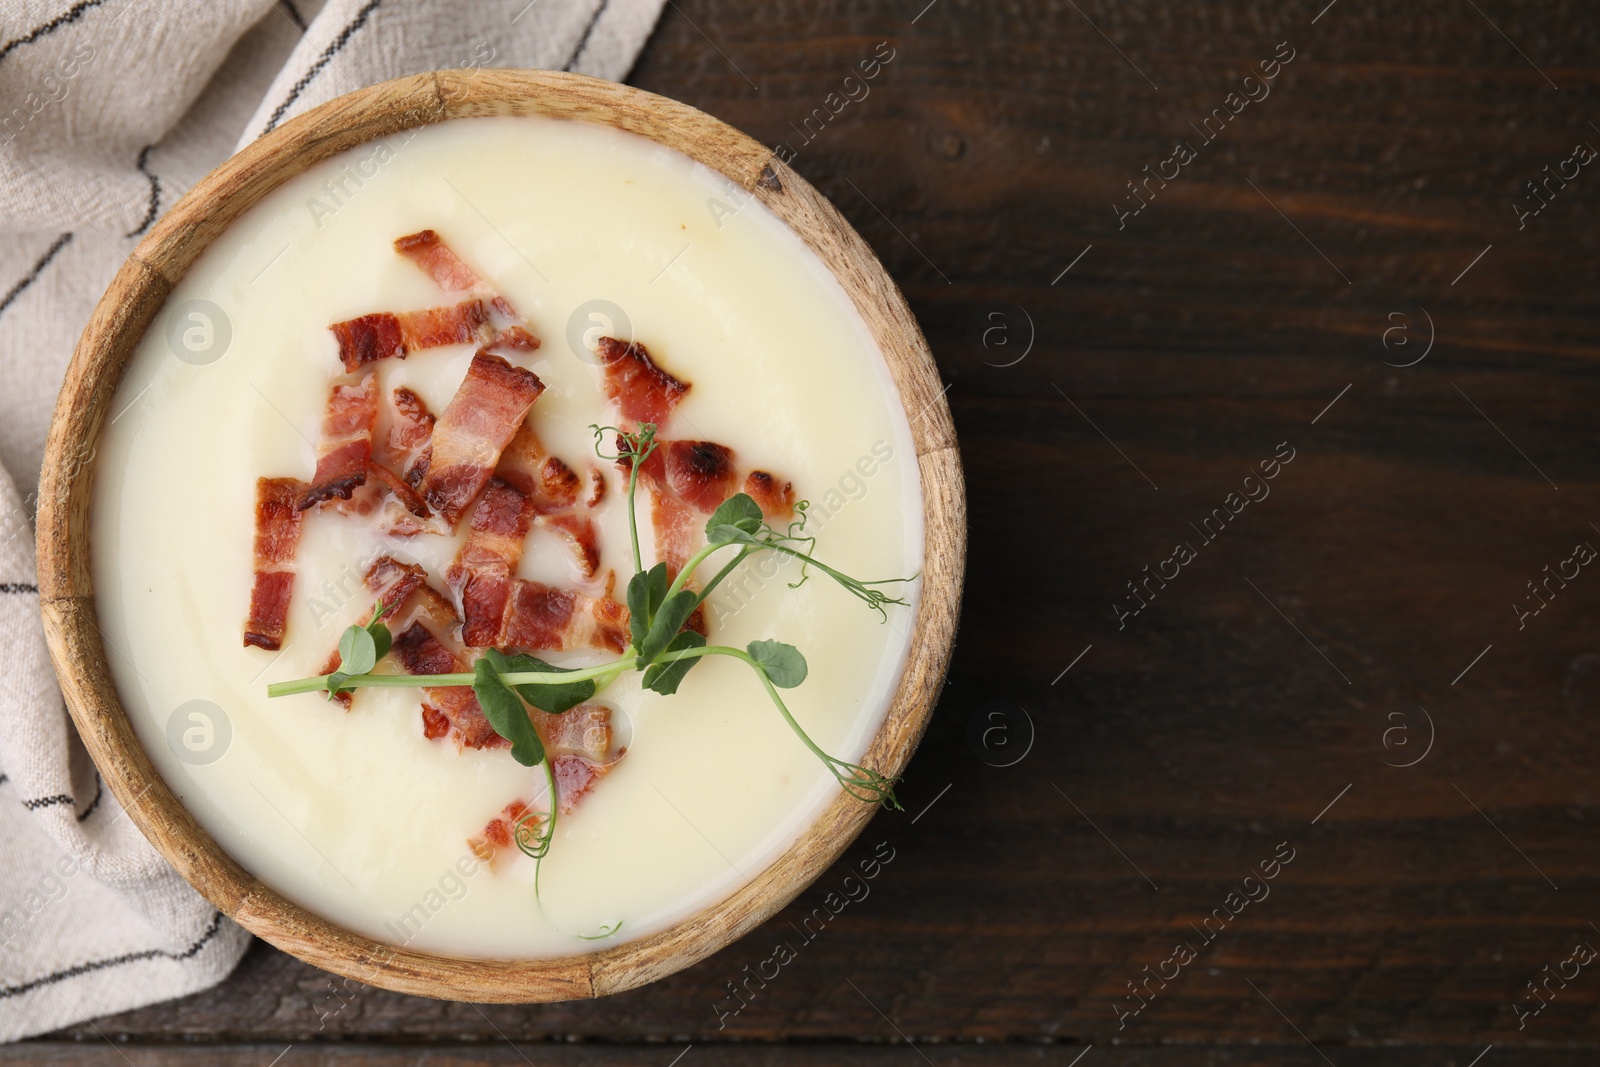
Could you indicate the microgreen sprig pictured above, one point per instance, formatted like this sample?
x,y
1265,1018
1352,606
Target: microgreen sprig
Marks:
x,y
659,610
660,645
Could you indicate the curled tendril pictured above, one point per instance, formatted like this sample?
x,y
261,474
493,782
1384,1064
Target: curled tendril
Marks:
x,y
634,446
864,783
796,535
794,541
532,833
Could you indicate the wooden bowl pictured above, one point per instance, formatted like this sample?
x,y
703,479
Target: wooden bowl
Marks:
x,y
137,294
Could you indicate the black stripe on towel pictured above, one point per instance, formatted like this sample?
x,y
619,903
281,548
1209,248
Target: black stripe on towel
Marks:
x,y
155,192
71,15
99,791
322,61
115,961
583,42
33,276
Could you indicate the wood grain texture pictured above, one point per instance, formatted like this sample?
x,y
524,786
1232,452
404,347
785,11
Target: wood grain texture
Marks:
x,y
87,398
505,1054
990,152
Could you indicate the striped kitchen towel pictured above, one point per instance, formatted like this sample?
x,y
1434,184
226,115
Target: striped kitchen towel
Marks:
x,y
109,111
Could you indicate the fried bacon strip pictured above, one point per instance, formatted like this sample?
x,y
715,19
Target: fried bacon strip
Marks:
x,y
581,536
346,447
498,834
482,574
403,449
475,428
775,500
392,583
424,626
689,479
405,495
553,490
517,339
541,618
436,327
702,474
277,538
369,338
449,272
583,742
582,751
545,479
643,391
686,479
425,644
408,443
437,261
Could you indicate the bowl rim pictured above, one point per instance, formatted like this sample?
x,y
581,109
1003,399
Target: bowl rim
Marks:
x,y
136,296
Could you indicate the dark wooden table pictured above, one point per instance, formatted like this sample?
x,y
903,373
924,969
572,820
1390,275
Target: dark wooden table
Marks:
x,y
1337,672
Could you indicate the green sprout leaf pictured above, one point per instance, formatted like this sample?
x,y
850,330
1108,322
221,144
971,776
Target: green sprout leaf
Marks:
x,y
382,639
335,684
554,699
664,678
666,624
646,591
507,715
783,663
739,511
358,652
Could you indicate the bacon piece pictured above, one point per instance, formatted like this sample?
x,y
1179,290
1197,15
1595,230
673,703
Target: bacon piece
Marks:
x,y
582,750
481,575
558,485
437,327
421,652
580,534
545,479
499,834
701,473
776,501
438,261
382,334
367,339
277,539
543,618
424,623
553,490
410,434
346,446
434,724
518,339
582,745
673,523
643,391
585,730
687,479
406,495
392,583
475,428
575,776
597,487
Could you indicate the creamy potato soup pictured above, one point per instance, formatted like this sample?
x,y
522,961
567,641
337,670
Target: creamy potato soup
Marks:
x,y
375,392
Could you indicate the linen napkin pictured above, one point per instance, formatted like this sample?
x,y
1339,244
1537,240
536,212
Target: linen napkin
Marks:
x,y
109,111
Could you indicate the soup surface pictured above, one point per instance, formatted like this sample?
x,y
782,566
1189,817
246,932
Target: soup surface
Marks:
x,y
357,814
